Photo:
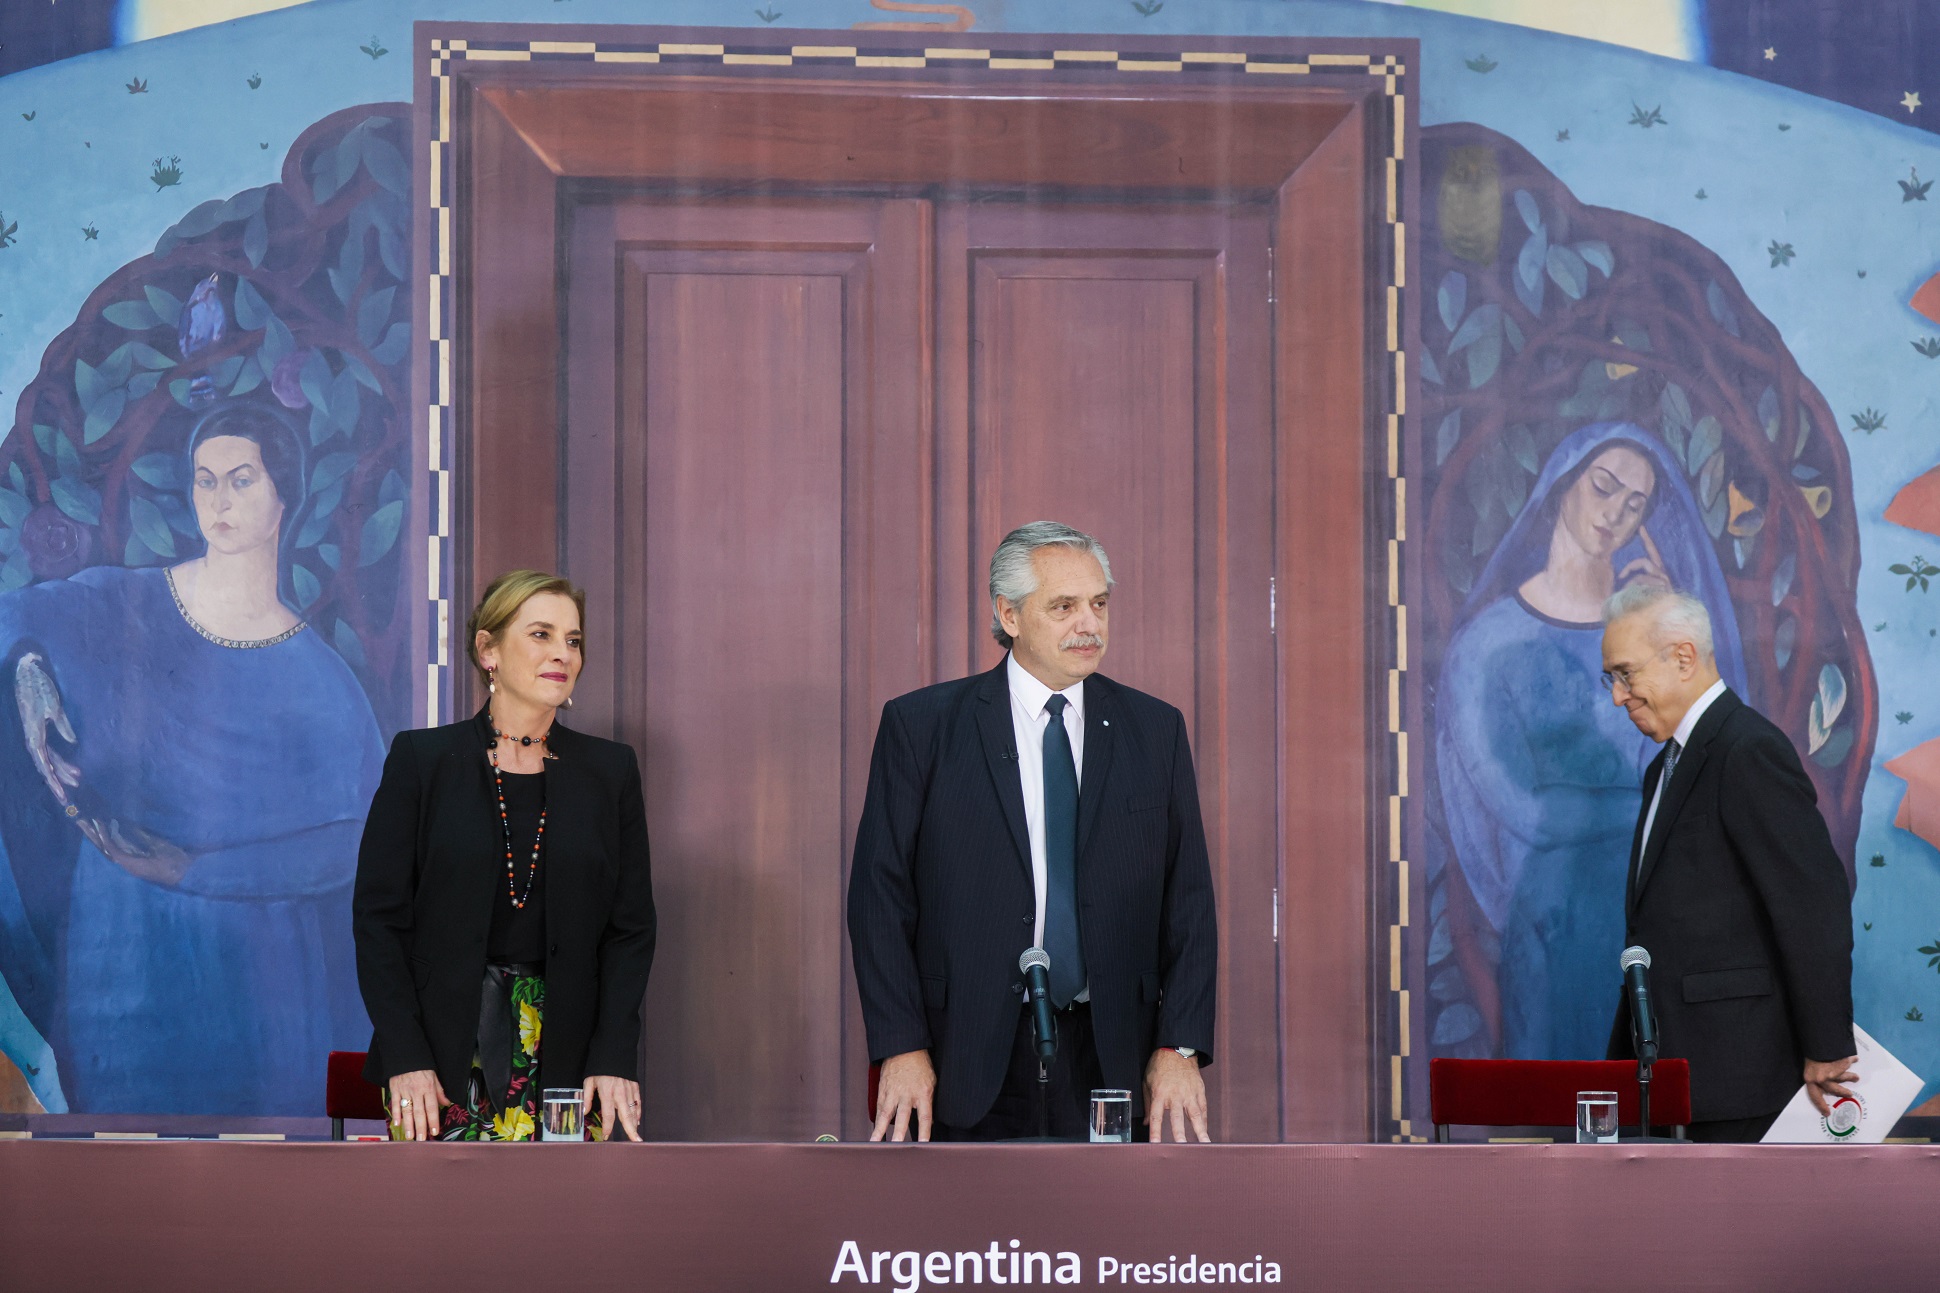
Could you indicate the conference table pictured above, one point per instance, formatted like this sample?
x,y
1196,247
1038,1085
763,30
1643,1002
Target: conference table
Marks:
x,y
208,1215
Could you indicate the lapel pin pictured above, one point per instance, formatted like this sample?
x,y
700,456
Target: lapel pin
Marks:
x,y
1105,721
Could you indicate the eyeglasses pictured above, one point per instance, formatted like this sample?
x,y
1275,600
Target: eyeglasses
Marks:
x,y
1614,678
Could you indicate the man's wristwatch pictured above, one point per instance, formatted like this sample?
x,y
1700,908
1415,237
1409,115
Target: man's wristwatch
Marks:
x,y
1185,1051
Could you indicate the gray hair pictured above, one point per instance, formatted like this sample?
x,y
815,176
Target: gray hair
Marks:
x,y
1013,576
1675,616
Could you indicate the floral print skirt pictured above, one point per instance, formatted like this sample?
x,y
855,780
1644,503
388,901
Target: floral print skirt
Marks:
x,y
511,1019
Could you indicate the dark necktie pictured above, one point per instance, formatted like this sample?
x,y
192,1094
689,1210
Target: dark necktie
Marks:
x,y
1060,859
1671,752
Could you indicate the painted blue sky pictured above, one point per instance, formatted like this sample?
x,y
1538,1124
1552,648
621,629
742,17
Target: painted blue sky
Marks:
x,y
1878,55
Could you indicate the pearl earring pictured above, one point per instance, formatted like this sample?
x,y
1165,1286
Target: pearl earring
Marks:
x,y
569,702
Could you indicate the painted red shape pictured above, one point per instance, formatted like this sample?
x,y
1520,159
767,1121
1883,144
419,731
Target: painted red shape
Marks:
x,y
1917,505
1926,298
1919,810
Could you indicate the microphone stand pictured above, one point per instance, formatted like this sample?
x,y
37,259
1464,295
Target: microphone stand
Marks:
x,y
1044,1096
1646,1057
1043,1101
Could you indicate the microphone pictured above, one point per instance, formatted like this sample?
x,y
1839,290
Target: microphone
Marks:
x,y
1035,966
1643,1024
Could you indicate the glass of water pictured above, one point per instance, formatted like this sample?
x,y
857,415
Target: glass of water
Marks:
x,y
565,1114
1596,1117
1111,1116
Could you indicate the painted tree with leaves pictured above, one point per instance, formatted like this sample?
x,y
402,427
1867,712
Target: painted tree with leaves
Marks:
x,y
292,294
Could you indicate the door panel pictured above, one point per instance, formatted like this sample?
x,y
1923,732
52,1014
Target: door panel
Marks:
x,y
1115,375
1085,399
739,389
796,430
740,672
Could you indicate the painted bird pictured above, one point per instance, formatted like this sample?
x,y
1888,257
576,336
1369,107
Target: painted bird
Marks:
x,y
203,323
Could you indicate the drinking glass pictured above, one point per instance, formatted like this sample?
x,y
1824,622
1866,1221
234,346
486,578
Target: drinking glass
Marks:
x,y
565,1114
1596,1117
1111,1116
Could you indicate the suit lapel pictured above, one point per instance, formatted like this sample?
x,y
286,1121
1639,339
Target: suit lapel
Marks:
x,y
473,831
571,815
1098,745
1000,756
1689,764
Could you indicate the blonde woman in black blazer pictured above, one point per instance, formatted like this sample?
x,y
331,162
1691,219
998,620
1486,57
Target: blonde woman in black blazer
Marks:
x,y
504,908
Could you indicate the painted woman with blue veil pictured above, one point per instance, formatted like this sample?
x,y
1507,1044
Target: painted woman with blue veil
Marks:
x,y
186,773
1539,772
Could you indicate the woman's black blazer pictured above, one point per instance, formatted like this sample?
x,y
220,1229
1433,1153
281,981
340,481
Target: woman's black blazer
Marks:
x,y
432,859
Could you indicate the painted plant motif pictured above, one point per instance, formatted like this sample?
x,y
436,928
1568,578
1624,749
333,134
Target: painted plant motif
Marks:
x,y
1601,403
222,425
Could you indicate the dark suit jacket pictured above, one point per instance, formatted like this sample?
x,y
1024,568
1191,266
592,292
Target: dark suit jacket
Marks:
x,y
941,902
427,875
1747,915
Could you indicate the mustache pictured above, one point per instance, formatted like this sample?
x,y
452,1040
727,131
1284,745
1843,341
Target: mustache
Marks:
x,y
1081,640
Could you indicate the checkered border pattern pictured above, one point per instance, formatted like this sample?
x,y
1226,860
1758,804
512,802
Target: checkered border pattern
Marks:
x,y
858,56
1190,62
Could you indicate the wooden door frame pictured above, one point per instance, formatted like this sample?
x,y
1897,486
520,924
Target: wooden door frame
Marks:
x,y
510,116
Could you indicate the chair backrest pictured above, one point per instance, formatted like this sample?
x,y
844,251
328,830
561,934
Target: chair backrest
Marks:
x,y
345,1092
1542,1093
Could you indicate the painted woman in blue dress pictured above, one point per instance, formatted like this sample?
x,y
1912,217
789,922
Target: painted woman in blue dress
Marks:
x,y
1539,773
175,872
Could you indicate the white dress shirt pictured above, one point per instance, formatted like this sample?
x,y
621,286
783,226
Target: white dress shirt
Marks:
x,y
1028,717
1682,736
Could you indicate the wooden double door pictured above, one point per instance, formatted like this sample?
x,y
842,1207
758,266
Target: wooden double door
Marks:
x,y
792,424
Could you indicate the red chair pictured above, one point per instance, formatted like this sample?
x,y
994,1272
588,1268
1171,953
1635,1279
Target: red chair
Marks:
x,y
1542,1093
346,1094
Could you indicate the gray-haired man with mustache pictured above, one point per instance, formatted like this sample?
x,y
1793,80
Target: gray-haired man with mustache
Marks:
x,y
1037,805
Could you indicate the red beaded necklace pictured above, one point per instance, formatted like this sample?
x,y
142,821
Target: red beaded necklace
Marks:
x,y
505,822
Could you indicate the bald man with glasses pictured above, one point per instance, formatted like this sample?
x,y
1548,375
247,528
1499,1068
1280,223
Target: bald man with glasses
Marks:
x,y
1734,888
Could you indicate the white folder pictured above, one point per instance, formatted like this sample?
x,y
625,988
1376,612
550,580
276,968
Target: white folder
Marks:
x,y
1884,1091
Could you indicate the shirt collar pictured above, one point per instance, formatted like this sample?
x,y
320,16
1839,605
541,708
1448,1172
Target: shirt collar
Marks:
x,y
1691,716
1032,694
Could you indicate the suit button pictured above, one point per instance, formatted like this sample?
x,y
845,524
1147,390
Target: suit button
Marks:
x,y
1028,919
1016,987
553,950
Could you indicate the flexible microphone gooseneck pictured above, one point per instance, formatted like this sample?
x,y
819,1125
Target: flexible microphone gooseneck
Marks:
x,y
1035,966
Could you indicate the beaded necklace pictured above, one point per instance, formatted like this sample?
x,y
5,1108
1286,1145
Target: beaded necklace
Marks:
x,y
505,822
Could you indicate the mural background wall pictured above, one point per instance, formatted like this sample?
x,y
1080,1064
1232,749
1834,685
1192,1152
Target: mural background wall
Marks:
x,y
132,169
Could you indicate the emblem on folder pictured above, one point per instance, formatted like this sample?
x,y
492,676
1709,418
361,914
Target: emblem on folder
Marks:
x,y
1844,1118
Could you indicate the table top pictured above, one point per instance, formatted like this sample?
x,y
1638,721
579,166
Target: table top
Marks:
x,y
87,1214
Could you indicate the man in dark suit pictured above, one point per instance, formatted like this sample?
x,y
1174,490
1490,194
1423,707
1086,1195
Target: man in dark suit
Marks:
x,y
977,843
1735,889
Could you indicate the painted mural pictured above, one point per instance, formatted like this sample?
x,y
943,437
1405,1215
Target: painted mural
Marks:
x,y
1603,406
1678,322
198,618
